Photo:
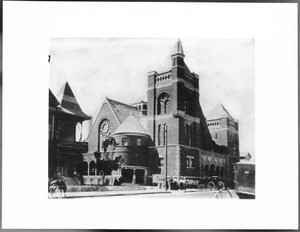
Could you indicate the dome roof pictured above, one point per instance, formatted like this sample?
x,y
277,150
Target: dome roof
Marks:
x,y
131,125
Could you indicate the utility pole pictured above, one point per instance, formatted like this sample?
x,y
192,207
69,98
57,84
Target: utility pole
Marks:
x,y
166,155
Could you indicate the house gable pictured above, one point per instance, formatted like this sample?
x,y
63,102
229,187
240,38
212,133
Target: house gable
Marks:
x,y
104,113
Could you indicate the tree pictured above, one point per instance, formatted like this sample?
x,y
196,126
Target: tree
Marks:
x,y
105,163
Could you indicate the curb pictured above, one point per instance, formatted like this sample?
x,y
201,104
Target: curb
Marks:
x,y
112,195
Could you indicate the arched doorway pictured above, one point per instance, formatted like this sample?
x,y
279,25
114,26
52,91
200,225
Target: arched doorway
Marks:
x,y
222,172
92,167
85,168
206,170
217,173
212,170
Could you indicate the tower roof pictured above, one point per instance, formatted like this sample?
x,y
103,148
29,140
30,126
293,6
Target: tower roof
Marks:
x,y
178,48
68,102
131,125
219,112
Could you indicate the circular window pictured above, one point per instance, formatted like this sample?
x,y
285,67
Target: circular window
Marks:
x,y
105,128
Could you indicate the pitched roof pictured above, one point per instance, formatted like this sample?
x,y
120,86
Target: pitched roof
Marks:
x,y
53,102
131,125
69,103
219,112
244,154
122,110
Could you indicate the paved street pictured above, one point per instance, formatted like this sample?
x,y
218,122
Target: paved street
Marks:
x,y
181,194
153,193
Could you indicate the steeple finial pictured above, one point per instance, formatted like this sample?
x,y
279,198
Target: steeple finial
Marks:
x,y
179,47
178,50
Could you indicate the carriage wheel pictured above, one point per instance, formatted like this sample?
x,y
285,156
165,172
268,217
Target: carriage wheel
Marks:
x,y
223,194
211,185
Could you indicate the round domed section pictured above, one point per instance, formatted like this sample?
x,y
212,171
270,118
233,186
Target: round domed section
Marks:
x,y
131,125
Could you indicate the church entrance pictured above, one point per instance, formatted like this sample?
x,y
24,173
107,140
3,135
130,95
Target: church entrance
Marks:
x,y
139,173
127,175
134,175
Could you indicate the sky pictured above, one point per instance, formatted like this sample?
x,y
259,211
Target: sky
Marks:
x,y
118,67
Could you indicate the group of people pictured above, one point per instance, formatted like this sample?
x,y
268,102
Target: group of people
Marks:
x,y
174,183
181,183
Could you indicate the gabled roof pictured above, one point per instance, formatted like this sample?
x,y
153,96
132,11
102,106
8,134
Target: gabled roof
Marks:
x,y
122,110
69,103
131,125
219,112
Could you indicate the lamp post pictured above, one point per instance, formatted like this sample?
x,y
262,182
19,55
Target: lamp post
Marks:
x,y
166,155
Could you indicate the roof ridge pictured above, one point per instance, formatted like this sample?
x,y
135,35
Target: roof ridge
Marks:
x,y
114,113
120,102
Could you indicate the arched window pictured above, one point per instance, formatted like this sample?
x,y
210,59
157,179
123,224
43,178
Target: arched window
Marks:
x,y
163,103
159,135
92,167
217,173
212,170
188,134
164,137
206,170
222,172
187,106
166,105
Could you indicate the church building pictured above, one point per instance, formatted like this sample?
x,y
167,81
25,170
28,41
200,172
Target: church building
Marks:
x,y
169,132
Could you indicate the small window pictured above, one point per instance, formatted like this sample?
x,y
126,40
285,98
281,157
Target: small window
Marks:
x,y
164,135
159,135
161,161
216,136
125,141
140,107
139,142
173,62
190,162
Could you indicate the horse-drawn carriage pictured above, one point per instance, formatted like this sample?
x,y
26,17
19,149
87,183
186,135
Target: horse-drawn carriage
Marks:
x,y
57,187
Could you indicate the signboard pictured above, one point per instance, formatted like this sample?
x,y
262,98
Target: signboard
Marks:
x,y
157,178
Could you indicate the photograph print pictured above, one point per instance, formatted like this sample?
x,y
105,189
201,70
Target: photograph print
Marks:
x,y
151,118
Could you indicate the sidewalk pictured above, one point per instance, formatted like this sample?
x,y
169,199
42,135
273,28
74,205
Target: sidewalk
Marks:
x,y
112,193
132,192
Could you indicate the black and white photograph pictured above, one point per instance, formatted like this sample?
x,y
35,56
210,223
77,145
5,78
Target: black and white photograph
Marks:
x,y
150,115
143,123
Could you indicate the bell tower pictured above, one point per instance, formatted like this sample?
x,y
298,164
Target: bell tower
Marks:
x,y
173,100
